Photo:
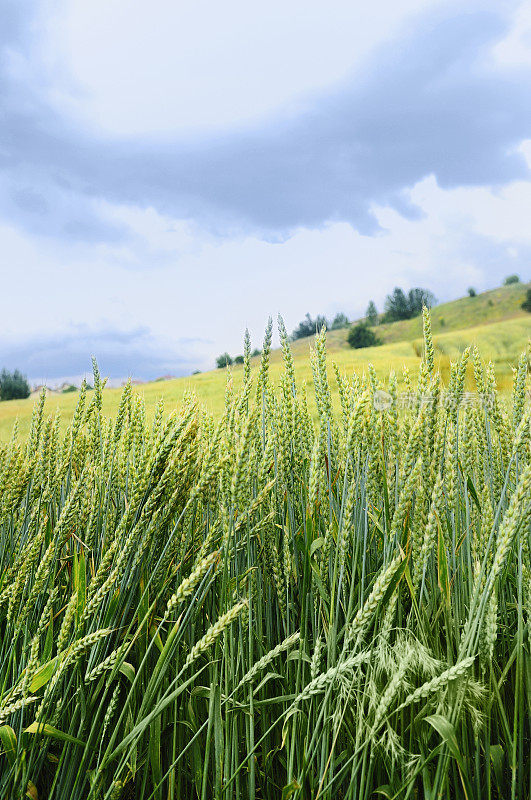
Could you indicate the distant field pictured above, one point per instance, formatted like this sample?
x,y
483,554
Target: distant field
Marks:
x,y
501,341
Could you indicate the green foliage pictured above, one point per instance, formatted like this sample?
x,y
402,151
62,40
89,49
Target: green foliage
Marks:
x,y
224,360
70,388
361,335
309,326
269,605
239,359
371,315
13,385
526,305
400,306
471,291
339,321
510,279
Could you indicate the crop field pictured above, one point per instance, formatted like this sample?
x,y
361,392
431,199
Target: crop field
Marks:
x,y
293,592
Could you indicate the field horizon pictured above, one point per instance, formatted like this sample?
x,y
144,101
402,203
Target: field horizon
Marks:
x,y
492,320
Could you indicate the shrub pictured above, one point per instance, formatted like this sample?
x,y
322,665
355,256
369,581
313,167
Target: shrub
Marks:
x,y
511,279
238,360
471,291
256,352
526,305
13,385
361,335
72,388
224,360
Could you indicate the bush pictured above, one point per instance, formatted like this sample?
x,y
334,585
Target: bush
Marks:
x,y
256,352
239,360
361,335
511,279
71,388
224,360
471,291
526,305
13,385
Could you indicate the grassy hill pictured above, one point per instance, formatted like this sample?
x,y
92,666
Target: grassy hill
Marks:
x,y
493,320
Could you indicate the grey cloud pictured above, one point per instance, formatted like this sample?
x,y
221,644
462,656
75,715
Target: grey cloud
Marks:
x,y
119,353
427,103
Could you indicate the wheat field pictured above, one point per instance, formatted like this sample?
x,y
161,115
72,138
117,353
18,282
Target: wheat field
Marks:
x,y
272,602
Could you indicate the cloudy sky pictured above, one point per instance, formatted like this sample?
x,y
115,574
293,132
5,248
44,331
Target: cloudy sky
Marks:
x,y
172,172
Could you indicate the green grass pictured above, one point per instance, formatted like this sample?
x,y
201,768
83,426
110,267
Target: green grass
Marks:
x,y
276,604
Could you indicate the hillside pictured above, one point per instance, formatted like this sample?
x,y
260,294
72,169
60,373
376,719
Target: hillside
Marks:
x,y
493,321
496,305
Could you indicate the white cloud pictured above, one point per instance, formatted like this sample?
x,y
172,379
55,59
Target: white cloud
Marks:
x,y
164,66
515,48
200,288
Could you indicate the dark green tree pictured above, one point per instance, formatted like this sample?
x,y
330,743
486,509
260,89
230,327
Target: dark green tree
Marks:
x,y
309,326
417,299
13,385
511,279
238,360
224,360
471,291
340,321
396,306
361,335
371,315
526,305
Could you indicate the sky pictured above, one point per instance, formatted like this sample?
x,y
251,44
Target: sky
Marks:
x,y
172,173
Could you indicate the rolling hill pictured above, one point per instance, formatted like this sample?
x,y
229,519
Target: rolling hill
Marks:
x,y
492,320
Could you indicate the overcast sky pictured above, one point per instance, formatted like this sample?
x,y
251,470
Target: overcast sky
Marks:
x,y
173,172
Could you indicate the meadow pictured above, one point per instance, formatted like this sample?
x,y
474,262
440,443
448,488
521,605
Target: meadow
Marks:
x,y
493,321
279,596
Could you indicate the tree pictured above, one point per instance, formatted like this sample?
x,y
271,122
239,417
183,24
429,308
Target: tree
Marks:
x,y
309,326
471,291
511,279
417,299
371,315
256,352
13,385
361,335
340,321
239,360
526,305
396,306
224,360
399,306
